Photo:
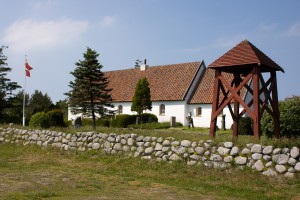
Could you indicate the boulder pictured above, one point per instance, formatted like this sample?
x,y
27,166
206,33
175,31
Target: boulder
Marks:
x,y
259,166
267,150
239,160
282,159
256,148
228,144
234,151
280,168
199,150
295,152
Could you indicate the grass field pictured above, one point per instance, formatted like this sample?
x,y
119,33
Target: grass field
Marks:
x,y
29,172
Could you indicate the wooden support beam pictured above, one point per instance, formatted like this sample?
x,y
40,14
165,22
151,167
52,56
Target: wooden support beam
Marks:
x,y
215,103
256,107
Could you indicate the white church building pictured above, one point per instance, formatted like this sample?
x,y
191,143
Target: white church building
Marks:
x,y
176,90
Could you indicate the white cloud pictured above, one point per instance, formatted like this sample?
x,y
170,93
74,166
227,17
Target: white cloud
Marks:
x,y
294,30
30,34
108,21
42,4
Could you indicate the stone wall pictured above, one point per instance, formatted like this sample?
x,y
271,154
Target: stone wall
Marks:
x,y
268,160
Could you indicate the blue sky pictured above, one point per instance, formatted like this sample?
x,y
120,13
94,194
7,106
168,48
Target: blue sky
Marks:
x,y
55,33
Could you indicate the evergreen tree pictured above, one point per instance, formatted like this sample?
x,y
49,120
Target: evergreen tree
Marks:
x,y
6,86
89,93
15,110
39,102
142,98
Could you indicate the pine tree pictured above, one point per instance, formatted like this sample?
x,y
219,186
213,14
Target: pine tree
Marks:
x,y
89,93
6,86
142,98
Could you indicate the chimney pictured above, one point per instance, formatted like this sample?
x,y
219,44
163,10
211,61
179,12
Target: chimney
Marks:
x,y
144,66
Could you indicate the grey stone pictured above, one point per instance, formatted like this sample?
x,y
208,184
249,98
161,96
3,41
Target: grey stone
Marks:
x,y
165,149
269,164
245,151
140,144
118,147
111,139
239,160
133,148
166,143
95,146
45,144
234,151
125,149
147,139
206,153
191,150
65,141
175,143
276,151
292,170
269,172
206,145
165,158
72,144
199,150
292,161
289,175
130,141
106,145
216,157
123,141
158,154
147,144
185,143
295,152
280,168
149,150
195,157
228,159
268,150
256,156
160,139
256,148
39,143
259,165
282,159
223,151
146,157
175,157
140,149
285,150
139,138
194,144
297,167
267,158
228,144
186,155
136,154
158,147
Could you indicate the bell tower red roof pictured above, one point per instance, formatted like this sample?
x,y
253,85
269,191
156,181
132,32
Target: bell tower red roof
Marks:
x,y
244,54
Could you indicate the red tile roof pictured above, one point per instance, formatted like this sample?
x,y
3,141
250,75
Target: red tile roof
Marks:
x,y
243,54
167,82
204,92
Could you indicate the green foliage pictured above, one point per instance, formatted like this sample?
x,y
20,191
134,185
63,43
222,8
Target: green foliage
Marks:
x,y
122,121
56,118
99,122
6,86
289,118
142,98
147,118
154,125
39,119
39,102
89,93
245,126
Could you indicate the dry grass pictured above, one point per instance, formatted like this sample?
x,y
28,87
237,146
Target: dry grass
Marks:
x,y
34,173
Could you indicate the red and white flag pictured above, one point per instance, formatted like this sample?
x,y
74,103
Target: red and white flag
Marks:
x,y
27,69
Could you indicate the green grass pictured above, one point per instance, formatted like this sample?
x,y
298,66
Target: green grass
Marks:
x,y
29,172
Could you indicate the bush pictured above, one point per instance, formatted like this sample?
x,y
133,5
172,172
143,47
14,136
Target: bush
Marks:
x,y
122,121
99,122
155,125
245,126
39,119
147,118
56,118
289,118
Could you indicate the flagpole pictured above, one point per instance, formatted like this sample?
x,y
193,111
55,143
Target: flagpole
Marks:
x,y
24,89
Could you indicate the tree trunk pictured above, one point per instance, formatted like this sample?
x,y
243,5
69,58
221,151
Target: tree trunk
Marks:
x,y
94,119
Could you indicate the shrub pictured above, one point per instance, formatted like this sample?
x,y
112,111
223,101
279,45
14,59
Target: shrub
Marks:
x,y
56,118
122,121
289,118
148,118
99,122
155,125
39,119
245,126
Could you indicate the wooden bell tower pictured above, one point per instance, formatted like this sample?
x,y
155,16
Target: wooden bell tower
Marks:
x,y
246,64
